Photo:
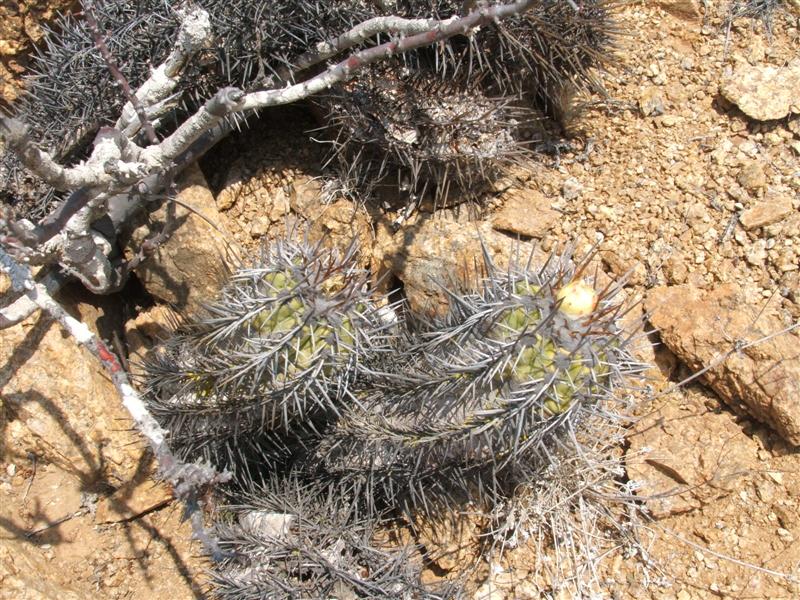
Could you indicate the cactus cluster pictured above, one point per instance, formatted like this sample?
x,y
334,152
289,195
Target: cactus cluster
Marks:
x,y
296,376
460,111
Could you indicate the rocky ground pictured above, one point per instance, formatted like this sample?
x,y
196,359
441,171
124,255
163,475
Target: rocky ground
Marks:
x,y
689,175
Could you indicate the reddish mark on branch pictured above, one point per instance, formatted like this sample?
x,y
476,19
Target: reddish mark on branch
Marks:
x,y
108,357
353,62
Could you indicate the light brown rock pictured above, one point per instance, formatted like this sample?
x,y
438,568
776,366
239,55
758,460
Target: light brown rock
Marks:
x,y
766,213
336,225
675,452
752,176
527,214
57,403
687,9
700,328
148,329
651,102
192,265
764,93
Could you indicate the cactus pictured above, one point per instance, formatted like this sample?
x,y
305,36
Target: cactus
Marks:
x,y
486,394
395,125
277,351
288,539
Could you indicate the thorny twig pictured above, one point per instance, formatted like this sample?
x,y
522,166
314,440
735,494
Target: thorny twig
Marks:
x,y
111,62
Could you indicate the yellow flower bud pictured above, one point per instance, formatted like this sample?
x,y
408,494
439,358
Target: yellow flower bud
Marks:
x,y
578,299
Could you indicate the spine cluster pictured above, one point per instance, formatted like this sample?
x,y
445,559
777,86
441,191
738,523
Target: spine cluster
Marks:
x,y
277,352
482,397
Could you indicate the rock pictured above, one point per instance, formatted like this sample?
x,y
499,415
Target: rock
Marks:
x,y
651,103
756,254
57,403
339,223
675,268
276,525
624,265
752,177
674,455
488,590
190,267
686,9
764,93
527,214
260,226
433,252
571,189
766,213
148,329
667,120
701,327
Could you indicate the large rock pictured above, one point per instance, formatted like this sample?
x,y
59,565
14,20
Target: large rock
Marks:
x,y
59,405
191,266
703,328
683,455
764,93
